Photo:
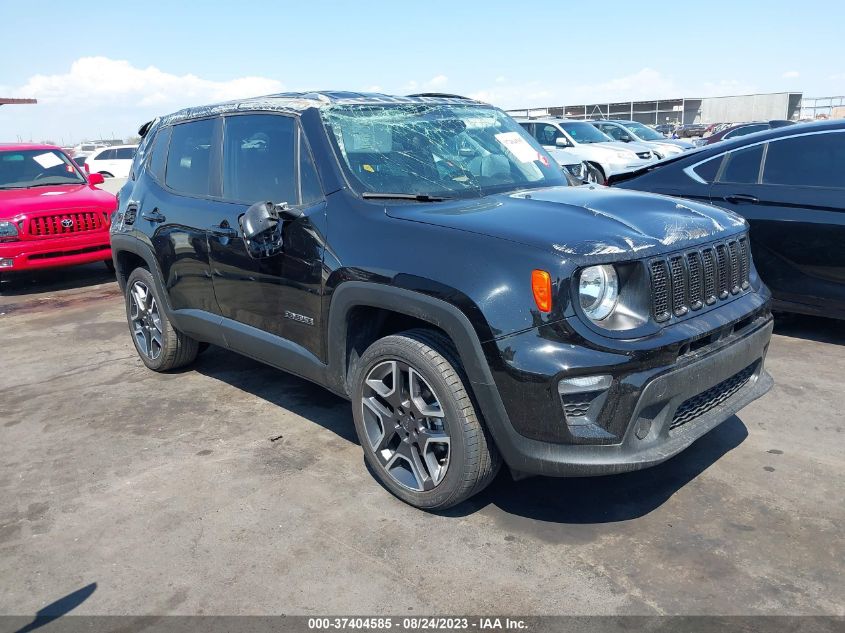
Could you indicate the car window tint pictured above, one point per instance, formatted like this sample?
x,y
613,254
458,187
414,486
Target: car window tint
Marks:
x,y
189,157
707,171
158,153
612,131
309,183
816,160
259,159
125,153
747,129
105,155
743,165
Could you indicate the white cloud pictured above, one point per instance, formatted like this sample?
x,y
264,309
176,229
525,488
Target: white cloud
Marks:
x,y
837,77
103,97
437,80
791,74
102,81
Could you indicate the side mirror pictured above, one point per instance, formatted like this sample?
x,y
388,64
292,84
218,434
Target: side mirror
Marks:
x,y
624,138
261,226
96,179
561,141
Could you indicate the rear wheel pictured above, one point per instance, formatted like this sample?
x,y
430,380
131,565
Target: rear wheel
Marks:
x,y
417,424
160,346
106,174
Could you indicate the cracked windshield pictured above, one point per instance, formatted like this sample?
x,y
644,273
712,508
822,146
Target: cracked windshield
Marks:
x,y
446,151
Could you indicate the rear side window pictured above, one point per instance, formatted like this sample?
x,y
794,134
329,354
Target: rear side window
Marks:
x,y
707,171
746,129
816,160
189,158
743,165
125,153
259,159
158,154
106,154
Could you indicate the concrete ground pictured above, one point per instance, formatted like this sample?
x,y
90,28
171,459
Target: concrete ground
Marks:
x,y
232,488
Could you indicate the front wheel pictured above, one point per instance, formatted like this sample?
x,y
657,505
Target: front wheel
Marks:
x,y
160,346
417,423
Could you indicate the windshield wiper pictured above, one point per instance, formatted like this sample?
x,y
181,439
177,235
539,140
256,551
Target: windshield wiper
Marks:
x,y
51,184
419,197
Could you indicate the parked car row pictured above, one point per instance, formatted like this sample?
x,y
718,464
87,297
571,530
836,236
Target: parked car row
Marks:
x,y
727,131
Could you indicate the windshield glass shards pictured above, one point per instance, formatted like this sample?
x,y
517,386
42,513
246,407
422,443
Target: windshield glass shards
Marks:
x,y
426,152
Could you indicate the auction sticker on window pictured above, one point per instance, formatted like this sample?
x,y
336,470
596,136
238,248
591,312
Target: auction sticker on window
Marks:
x,y
48,160
517,146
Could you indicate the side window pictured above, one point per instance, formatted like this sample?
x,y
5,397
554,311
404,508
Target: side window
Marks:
x,y
612,131
125,153
743,165
746,129
309,183
259,158
106,154
547,134
158,154
189,157
816,160
707,171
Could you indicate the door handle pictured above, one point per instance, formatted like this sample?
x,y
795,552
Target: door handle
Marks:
x,y
224,230
738,198
153,216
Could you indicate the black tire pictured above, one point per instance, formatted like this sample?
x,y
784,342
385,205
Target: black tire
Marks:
x,y
174,348
595,175
473,459
110,265
106,174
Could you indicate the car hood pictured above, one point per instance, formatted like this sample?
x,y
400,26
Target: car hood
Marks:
x,y
677,143
585,223
565,156
617,146
14,202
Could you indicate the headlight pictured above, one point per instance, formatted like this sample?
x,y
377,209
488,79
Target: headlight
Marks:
x,y
8,232
598,290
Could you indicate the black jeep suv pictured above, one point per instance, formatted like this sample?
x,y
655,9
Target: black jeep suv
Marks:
x,y
424,257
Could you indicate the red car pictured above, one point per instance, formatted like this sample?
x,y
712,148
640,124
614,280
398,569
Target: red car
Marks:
x,y
51,214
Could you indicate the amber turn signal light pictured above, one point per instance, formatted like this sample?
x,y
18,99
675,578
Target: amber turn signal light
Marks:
x,y
541,286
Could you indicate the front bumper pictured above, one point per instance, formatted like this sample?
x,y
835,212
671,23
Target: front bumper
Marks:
x,y
653,411
55,252
614,168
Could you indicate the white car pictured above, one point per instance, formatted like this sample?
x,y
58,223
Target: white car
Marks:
x,y
592,146
111,162
632,131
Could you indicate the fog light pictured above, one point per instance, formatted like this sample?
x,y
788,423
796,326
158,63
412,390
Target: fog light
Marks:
x,y
582,384
6,263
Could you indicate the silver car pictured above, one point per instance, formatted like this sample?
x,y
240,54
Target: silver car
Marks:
x,y
633,131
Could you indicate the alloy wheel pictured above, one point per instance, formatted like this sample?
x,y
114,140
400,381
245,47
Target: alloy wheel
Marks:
x,y
145,320
405,425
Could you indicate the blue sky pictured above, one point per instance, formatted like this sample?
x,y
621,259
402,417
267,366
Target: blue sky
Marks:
x,y
102,69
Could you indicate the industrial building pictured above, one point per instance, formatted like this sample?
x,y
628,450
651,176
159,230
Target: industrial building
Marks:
x,y
684,110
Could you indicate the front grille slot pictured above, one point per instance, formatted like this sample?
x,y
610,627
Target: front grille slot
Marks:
x,y
744,262
696,295
722,267
576,405
679,299
711,398
699,277
65,223
659,290
733,251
